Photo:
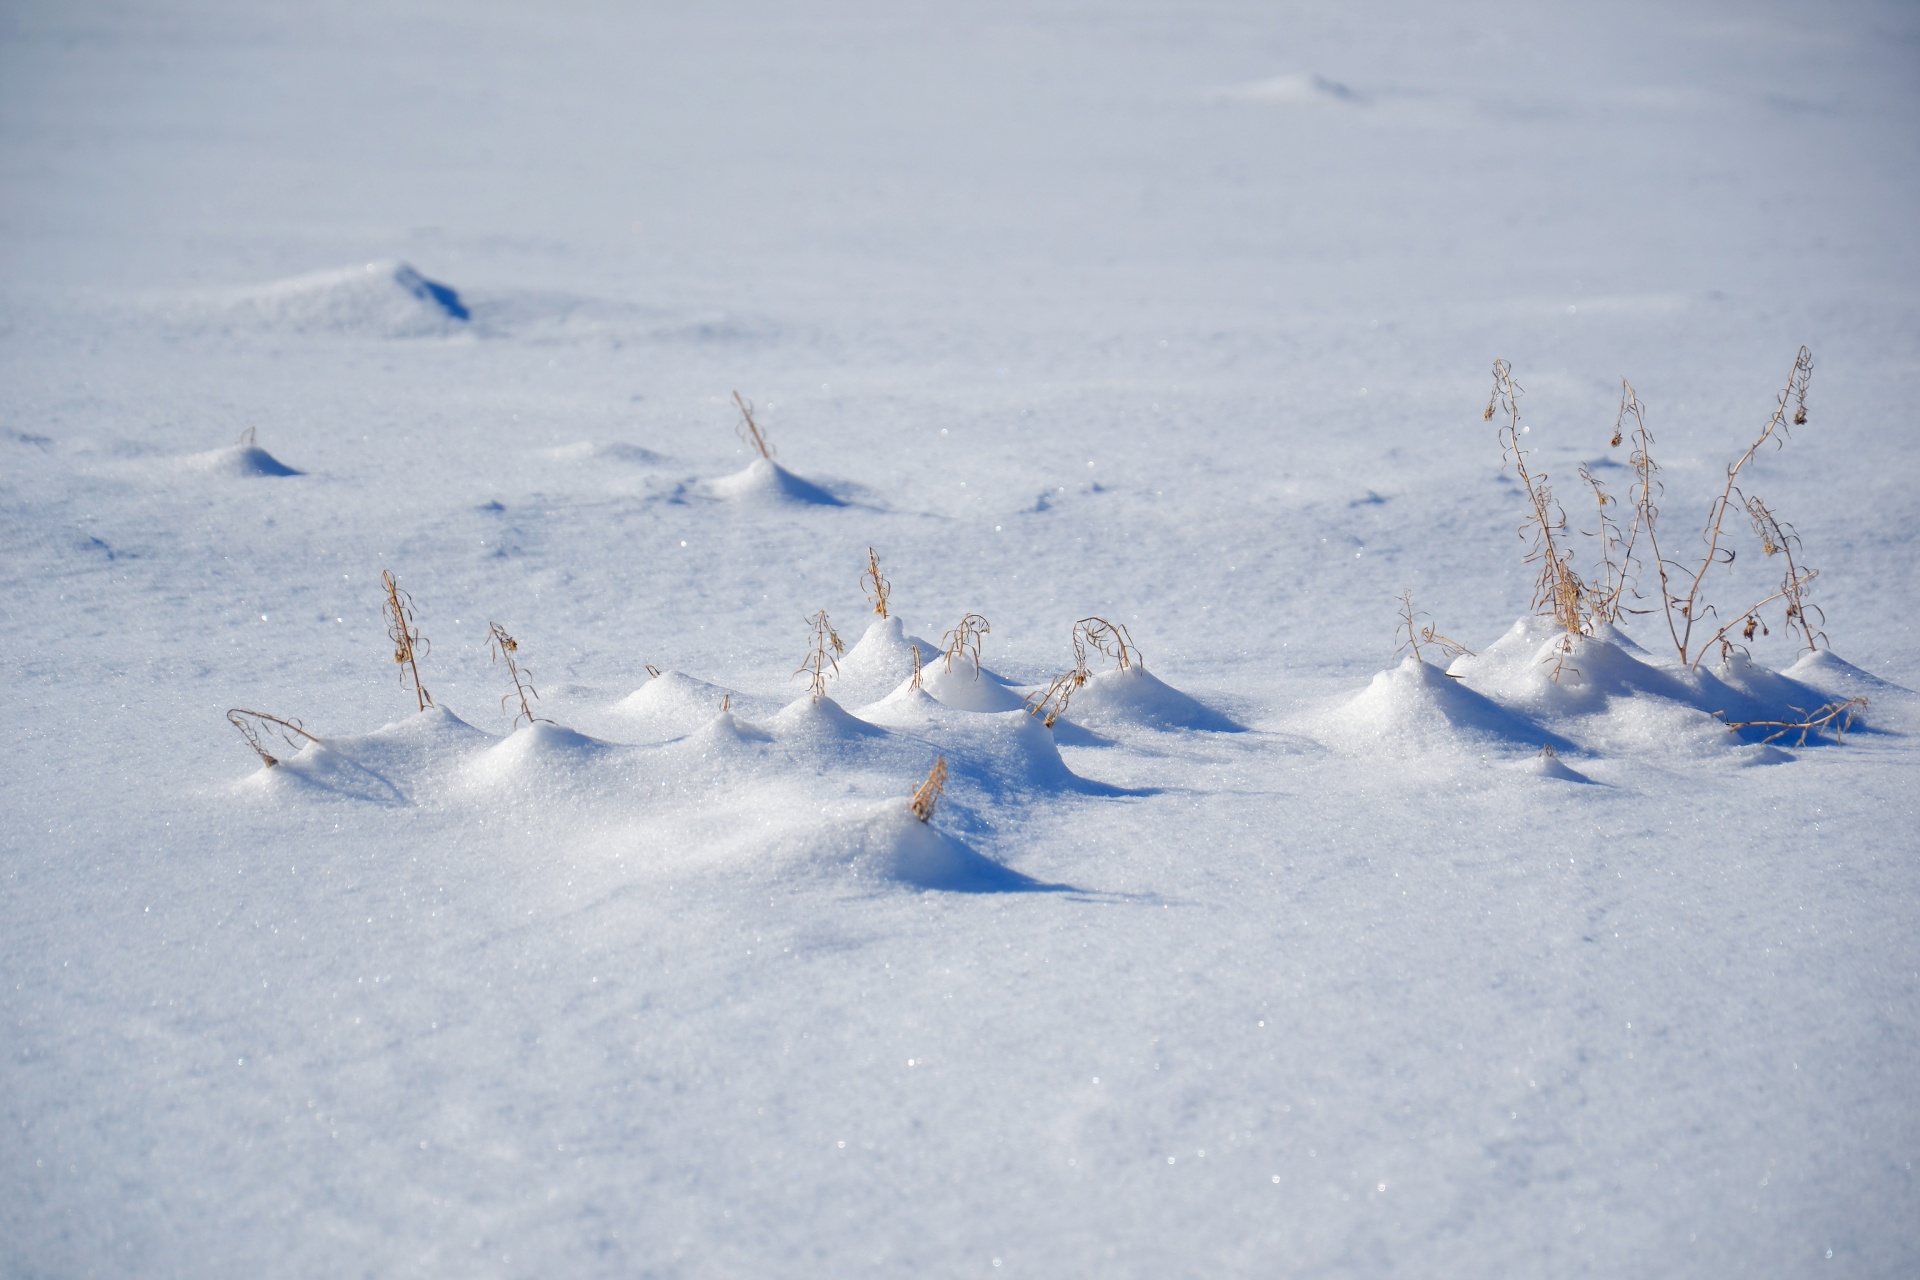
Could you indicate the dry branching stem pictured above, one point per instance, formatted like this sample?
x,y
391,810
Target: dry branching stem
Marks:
x,y
1691,606
927,794
1051,703
824,648
1098,635
504,648
254,725
408,644
1417,635
1558,590
964,641
1837,716
749,430
876,586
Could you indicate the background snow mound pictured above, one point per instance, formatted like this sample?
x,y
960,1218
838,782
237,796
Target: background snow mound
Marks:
x,y
1136,696
241,461
820,720
970,688
1837,678
879,664
386,299
539,753
1417,706
890,844
767,481
588,451
671,704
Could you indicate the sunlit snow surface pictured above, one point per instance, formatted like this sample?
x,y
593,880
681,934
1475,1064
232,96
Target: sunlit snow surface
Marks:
x,y
1282,953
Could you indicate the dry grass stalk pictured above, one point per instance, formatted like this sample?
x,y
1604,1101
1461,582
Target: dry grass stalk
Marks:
x,y
1684,612
1417,635
408,644
915,683
1837,716
653,672
1100,636
250,438
927,794
964,641
1051,703
876,587
726,703
1558,590
504,648
749,431
1778,539
256,725
824,648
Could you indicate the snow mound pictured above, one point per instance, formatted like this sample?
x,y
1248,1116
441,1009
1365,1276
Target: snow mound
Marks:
x,y
1544,765
1416,706
1605,688
381,299
387,766
819,721
890,844
588,451
1837,678
878,664
767,481
1136,696
540,754
671,704
240,461
969,688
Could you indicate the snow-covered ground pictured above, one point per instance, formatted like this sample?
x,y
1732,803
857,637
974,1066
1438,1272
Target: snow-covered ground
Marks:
x,y
1281,952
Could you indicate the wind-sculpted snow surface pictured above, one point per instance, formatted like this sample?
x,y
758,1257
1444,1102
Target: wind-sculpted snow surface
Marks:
x,y
685,346
1540,690
693,760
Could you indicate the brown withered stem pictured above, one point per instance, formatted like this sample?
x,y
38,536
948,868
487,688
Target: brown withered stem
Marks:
x,y
1051,703
1777,538
504,648
1417,635
1691,607
964,641
927,795
653,672
749,431
408,644
823,650
1837,716
1558,590
916,667
1104,637
876,587
256,725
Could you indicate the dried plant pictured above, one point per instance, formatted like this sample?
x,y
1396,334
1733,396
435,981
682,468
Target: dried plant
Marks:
x,y
1685,611
250,438
255,726
726,703
1051,703
823,651
1557,591
653,672
876,587
504,648
749,431
409,646
964,641
915,682
1100,636
927,794
1835,716
1778,539
1417,635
